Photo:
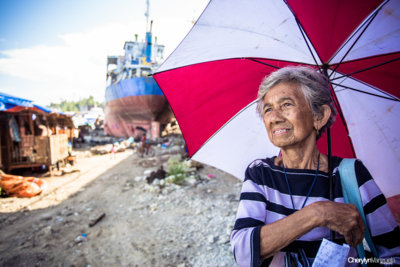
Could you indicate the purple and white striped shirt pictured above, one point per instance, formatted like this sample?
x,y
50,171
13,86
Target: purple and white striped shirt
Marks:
x,y
265,199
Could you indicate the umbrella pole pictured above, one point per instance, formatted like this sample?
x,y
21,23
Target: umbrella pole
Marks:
x,y
328,135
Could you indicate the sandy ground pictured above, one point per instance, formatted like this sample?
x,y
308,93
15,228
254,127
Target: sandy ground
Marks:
x,y
175,226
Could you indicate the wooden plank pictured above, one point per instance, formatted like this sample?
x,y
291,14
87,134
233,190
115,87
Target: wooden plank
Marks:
x,y
41,147
58,147
28,165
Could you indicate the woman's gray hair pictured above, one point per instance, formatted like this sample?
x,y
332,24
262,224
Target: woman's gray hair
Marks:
x,y
313,85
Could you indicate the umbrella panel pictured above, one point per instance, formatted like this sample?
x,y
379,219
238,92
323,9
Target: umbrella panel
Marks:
x,y
385,76
328,24
201,113
203,105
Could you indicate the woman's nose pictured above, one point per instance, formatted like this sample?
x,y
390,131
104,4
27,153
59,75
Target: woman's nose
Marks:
x,y
276,115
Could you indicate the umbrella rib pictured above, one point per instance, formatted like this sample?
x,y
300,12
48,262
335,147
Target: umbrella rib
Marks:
x,y
347,75
305,39
368,85
264,63
369,21
347,87
303,33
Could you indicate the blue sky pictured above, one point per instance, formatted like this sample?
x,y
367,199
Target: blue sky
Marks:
x,y
52,50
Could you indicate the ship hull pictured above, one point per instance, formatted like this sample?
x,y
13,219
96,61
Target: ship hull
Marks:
x,y
132,105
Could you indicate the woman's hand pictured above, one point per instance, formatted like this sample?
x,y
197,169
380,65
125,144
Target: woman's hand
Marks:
x,y
341,218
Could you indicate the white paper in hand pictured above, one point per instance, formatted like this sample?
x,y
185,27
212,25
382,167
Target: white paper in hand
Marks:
x,y
331,254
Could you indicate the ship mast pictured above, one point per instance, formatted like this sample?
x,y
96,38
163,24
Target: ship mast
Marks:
x,y
147,14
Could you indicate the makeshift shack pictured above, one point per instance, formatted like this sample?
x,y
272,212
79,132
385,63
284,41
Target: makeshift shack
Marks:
x,y
32,136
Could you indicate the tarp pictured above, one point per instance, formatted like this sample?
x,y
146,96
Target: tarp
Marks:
x,y
47,110
8,102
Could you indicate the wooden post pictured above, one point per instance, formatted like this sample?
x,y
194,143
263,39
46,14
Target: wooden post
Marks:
x,y
48,150
31,123
9,143
47,124
20,118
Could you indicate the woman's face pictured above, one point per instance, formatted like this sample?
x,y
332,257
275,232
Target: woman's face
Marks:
x,y
287,117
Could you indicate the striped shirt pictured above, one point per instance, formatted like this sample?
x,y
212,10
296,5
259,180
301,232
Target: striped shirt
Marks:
x,y
265,199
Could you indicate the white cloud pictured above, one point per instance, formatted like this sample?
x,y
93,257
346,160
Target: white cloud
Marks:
x,y
77,69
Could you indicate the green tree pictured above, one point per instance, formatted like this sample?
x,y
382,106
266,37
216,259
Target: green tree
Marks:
x,y
75,106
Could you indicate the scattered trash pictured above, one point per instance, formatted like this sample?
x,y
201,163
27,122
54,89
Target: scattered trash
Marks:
x,y
147,172
153,207
94,222
211,175
105,149
139,178
81,238
224,239
211,239
159,174
18,186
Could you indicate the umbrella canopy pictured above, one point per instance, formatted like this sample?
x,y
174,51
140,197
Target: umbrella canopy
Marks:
x,y
212,78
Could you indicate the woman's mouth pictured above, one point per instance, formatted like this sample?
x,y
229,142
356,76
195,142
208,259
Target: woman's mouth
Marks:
x,y
280,131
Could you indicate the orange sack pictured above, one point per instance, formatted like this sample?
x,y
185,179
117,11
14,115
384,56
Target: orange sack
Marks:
x,y
18,186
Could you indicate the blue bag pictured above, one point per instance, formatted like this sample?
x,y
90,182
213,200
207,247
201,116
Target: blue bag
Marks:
x,y
351,194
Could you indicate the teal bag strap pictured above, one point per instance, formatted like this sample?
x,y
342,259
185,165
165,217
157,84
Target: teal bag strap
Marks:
x,y
351,194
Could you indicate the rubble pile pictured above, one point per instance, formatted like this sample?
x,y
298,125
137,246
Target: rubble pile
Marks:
x,y
210,217
172,128
105,149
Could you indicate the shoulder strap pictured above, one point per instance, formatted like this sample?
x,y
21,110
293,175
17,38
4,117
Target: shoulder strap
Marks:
x,y
351,194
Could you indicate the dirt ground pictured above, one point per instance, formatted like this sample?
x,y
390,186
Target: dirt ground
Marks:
x,y
143,225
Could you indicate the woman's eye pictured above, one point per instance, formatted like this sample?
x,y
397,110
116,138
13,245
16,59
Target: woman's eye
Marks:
x,y
287,104
267,110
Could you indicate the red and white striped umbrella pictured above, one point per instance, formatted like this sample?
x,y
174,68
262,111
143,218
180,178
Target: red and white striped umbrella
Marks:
x,y
212,78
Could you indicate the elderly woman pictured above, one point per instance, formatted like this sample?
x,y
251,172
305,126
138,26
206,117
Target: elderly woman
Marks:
x,y
284,204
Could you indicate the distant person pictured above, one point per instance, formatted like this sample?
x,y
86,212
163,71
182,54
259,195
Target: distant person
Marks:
x,y
143,141
113,152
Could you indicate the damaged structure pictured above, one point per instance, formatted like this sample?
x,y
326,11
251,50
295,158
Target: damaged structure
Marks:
x,y
32,136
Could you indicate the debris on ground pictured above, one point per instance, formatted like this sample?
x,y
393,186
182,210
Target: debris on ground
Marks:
x,y
149,222
98,219
159,174
18,186
105,149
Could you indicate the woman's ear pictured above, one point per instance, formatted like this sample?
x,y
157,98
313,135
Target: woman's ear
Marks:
x,y
320,121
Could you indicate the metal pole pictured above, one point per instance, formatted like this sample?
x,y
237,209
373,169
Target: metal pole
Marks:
x,y
328,135
147,14
328,138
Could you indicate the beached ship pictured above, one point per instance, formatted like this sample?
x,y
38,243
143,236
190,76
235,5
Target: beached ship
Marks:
x,y
134,102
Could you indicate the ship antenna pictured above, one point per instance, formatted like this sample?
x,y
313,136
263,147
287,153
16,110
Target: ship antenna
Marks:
x,y
147,14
